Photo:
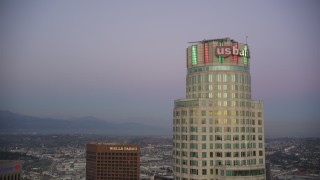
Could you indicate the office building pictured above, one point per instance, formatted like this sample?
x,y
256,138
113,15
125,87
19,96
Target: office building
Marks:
x,y
10,170
218,130
112,161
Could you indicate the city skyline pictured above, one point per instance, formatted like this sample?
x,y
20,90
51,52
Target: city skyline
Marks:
x,y
111,59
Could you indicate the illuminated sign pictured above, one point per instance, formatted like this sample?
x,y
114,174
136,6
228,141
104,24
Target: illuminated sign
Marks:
x,y
123,148
194,55
225,51
13,168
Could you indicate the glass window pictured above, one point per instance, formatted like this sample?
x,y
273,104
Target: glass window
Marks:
x,y
218,137
227,146
260,153
193,171
193,163
211,145
218,154
260,161
227,154
218,145
184,162
194,137
235,146
235,154
193,129
218,129
204,172
204,146
260,145
204,137
243,154
184,154
211,154
184,145
193,146
204,154
236,162
228,163
185,170
193,154
227,137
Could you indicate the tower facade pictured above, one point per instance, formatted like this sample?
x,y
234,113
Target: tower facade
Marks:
x,y
218,130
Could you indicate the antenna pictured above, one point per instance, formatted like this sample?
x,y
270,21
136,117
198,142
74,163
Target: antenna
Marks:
x,y
208,40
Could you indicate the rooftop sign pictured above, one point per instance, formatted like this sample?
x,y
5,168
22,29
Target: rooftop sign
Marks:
x,y
125,148
225,51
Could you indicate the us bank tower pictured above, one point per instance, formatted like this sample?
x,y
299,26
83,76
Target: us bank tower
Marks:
x,y
218,130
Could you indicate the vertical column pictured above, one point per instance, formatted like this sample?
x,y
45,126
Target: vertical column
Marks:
x,y
235,56
206,53
245,57
220,58
194,54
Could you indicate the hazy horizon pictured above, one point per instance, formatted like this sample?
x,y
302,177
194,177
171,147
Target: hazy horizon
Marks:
x,y
125,60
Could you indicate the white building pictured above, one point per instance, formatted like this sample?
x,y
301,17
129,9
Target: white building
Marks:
x,y
218,130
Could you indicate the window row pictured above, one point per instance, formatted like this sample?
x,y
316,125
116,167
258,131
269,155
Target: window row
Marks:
x,y
117,154
216,95
215,154
197,103
217,137
218,112
207,78
185,170
219,87
217,121
205,163
204,146
117,164
194,129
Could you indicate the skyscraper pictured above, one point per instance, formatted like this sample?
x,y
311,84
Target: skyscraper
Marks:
x,y
112,161
218,130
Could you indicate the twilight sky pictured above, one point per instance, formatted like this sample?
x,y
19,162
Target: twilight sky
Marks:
x,y
125,60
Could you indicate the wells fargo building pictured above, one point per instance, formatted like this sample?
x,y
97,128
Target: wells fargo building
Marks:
x,y
112,161
218,130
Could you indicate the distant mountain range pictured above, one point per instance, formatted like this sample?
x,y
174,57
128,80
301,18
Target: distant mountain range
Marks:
x,y
17,123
